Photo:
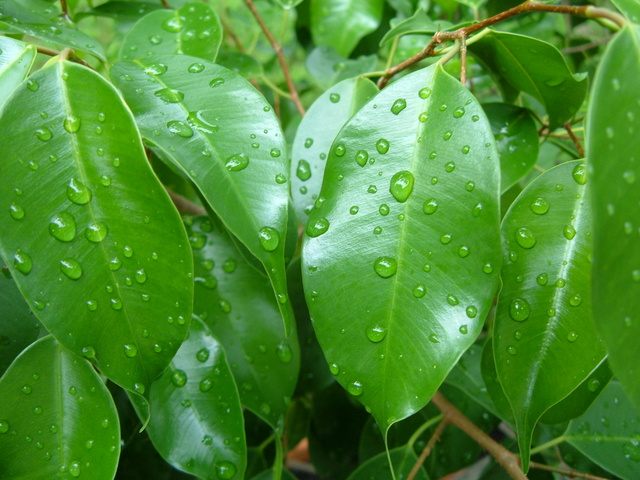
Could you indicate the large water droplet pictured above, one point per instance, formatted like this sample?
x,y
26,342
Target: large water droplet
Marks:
x,y
225,470
180,128
44,134
71,268
579,174
525,238
458,112
269,238
63,227
303,171
317,227
237,162
419,290
542,279
376,333
78,192
401,185
130,350
179,378
399,105
169,95
362,157
569,232
539,206
385,266
156,69
71,124
382,145
355,388
96,231
519,309
284,353
173,24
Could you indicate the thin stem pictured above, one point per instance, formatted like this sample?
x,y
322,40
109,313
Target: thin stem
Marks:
x,y
231,34
392,52
65,10
567,472
549,444
279,460
266,442
504,457
422,428
450,52
427,449
274,87
574,139
165,4
586,46
184,205
66,54
283,63
463,60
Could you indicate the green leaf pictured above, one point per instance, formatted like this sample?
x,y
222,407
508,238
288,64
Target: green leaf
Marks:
x,y
16,59
609,433
123,11
109,272
57,419
197,390
418,23
43,20
18,327
402,458
534,67
431,163
194,29
612,126
238,305
222,134
268,475
629,8
327,67
342,23
517,140
241,63
315,136
494,387
543,331
287,4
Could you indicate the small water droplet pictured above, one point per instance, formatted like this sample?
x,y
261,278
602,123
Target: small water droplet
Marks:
x,y
334,97
470,186
580,174
385,267
169,95
269,238
447,135
78,193
340,150
179,378
464,329
96,232
519,309
446,238
430,206
303,171
542,279
237,162
569,232
173,24
138,388
180,128
399,105
74,469
88,352
382,146
4,426
44,134
401,185
576,300
525,238
317,227
511,350
284,353
464,251
384,209
471,311
355,389
572,337
62,226
362,157
539,206
130,350
419,290
71,268
458,112
433,338
195,68
593,385
452,300
16,211
424,93
32,85
376,333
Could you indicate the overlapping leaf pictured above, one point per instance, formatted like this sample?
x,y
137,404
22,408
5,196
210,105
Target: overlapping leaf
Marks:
x,y
57,418
534,67
215,127
43,20
90,235
545,344
612,149
193,29
408,209
238,305
342,23
16,59
315,136
328,67
196,417
418,23
402,458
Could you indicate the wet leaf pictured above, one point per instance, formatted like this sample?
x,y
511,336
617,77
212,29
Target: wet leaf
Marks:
x,y
418,23
241,63
328,67
545,344
16,59
197,390
315,136
612,126
221,133
629,8
237,303
109,271
432,162
57,418
193,29
609,433
534,67
342,23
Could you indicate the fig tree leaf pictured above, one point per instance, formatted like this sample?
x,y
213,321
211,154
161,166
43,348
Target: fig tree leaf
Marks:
x,y
196,417
193,29
431,162
221,133
89,234
16,59
123,11
418,23
517,141
342,23
402,458
327,67
609,433
612,126
43,20
544,342
237,303
534,67
629,8
57,418
314,138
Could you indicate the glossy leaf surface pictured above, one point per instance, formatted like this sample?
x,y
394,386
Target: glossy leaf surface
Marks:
x,y
91,237
238,305
196,417
534,67
315,136
342,23
328,67
389,309
43,20
16,59
517,141
545,344
214,126
630,9
609,433
402,458
613,157
57,419
193,29
418,23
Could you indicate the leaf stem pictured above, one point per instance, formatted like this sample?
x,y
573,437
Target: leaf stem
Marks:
x,y
266,442
509,461
422,428
566,472
279,460
427,449
463,60
392,52
274,87
547,445
65,10
283,63
66,54
165,4
574,139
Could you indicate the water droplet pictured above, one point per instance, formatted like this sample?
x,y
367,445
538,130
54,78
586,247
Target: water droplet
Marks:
x,y
401,185
382,145
447,135
71,268
63,227
423,117
430,206
376,333
96,231
472,311
579,174
511,350
334,97
303,171
284,353
419,290
4,426
16,211
317,227
385,266
525,238
362,157
424,93
458,112
384,209
216,82
130,350
269,238
576,300
169,95
464,251
71,124
88,352
179,378
340,150
470,186
399,105
569,232
140,276
519,309
138,388
593,385
180,128
280,179
572,337
26,389
561,282
452,300
74,469
433,338
44,134
78,193
173,24
92,305
32,85
446,238
372,189
355,388
127,251
237,162
225,470
539,206
542,279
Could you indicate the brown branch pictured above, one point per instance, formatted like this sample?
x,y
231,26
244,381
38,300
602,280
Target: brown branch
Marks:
x,y
427,449
65,10
567,472
283,63
526,7
586,46
231,34
463,60
184,205
509,461
68,53
165,4
574,139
